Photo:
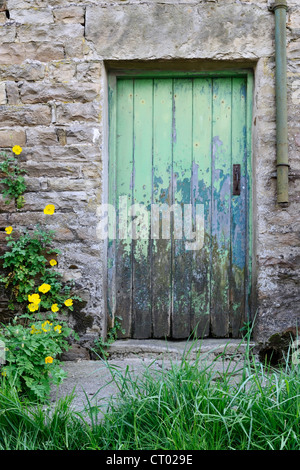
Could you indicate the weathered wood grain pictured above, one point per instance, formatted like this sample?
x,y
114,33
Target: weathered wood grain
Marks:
x,y
238,208
124,165
201,194
176,142
162,195
142,196
221,196
182,172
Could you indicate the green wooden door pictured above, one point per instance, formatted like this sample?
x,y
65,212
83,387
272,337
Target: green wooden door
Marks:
x,y
179,181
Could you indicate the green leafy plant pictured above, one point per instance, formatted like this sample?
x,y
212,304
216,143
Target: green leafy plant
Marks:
x,y
34,338
14,180
31,356
101,345
37,295
29,264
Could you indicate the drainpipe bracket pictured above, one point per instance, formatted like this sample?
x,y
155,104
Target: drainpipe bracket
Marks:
x,y
279,4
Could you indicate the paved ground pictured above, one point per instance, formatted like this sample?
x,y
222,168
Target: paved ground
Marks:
x,y
92,383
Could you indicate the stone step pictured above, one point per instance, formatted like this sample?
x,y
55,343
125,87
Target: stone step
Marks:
x,y
149,348
93,379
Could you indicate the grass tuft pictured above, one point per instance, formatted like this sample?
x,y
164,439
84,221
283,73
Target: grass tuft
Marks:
x,y
185,405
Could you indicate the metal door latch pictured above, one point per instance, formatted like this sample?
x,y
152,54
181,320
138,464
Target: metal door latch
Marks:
x,y
236,180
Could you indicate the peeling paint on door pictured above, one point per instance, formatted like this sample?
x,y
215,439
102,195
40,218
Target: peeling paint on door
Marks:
x,y
176,140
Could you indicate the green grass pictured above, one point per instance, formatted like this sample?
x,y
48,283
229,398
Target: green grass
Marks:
x,y
184,407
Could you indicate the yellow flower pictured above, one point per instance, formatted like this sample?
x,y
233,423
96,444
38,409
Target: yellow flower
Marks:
x,y
44,288
46,325
48,360
53,262
8,230
54,308
34,330
17,149
34,298
49,209
57,328
3,373
33,307
68,302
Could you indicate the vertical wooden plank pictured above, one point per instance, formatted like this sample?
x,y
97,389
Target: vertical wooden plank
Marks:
x,y
142,195
250,301
221,196
238,208
162,199
201,195
111,242
182,165
124,169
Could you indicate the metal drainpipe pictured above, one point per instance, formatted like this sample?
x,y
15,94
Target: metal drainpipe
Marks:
x,y
280,8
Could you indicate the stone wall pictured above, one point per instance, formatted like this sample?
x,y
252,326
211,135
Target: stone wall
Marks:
x,y
54,60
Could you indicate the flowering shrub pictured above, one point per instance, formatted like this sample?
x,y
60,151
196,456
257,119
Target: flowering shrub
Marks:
x,y
31,356
35,338
29,272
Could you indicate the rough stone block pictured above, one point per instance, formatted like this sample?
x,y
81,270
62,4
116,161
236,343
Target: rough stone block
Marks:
x,y
55,33
62,136
92,172
69,154
12,93
3,5
4,221
11,137
62,71
77,48
4,207
294,19
70,112
148,31
16,53
89,71
26,71
3,17
8,32
3,97
32,16
71,14
36,184
78,133
66,184
86,233
293,50
33,115
76,353
63,234
64,200
41,136
26,4
43,92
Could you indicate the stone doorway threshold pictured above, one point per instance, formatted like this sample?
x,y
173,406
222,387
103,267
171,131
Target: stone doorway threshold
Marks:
x,y
91,380
153,348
